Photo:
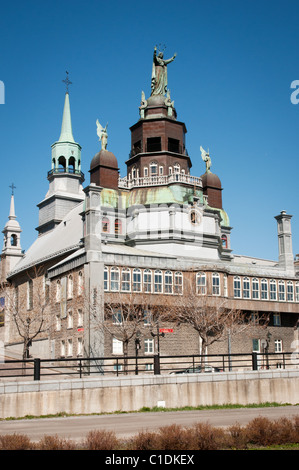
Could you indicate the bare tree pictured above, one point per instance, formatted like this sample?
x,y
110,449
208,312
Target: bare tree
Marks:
x,y
210,316
27,307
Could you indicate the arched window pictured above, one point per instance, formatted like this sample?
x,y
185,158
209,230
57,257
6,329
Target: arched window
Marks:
x,y
30,294
255,289
158,282
153,169
178,283
71,165
61,164
201,283
176,168
224,241
134,172
216,284
114,279
126,280
147,281
264,289
70,287
137,280
297,292
168,282
58,291
80,283
290,291
237,287
281,291
246,288
273,290
117,227
105,225
13,240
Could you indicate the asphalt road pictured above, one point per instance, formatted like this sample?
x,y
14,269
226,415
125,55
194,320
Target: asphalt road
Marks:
x,y
125,425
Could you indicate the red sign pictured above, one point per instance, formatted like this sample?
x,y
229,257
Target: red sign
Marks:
x,y
80,329
166,330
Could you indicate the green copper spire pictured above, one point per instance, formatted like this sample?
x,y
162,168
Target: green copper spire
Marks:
x,y
66,134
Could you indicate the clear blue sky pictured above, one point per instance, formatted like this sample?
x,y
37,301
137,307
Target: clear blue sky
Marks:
x,y
230,82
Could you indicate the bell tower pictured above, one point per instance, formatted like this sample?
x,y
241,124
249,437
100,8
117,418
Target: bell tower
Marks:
x,y
12,251
65,177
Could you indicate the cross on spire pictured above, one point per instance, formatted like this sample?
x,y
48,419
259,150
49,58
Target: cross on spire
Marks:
x,y
67,82
12,186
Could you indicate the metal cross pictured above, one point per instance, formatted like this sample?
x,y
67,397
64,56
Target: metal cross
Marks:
x,y
67,82
12,186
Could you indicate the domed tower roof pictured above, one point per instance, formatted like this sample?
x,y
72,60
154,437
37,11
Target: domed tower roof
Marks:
x,y
104,170
211,180
104,158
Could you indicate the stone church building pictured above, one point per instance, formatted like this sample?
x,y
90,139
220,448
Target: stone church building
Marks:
x,y
138,241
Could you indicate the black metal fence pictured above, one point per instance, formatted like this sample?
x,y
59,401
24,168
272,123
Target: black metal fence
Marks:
x,y
151,364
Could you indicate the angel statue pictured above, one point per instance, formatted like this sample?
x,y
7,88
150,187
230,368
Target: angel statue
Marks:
x,y
103,134
159,73
206,158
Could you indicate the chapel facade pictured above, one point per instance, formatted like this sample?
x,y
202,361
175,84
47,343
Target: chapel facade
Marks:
x,y
139,242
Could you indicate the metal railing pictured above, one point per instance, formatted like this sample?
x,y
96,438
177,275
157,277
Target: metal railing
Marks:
x,y
151,364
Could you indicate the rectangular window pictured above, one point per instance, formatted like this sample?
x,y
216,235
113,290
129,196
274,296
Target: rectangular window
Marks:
x,y
148,346
117,346
147,317
154,144
173,145
276,319
117,317
297,292
106,279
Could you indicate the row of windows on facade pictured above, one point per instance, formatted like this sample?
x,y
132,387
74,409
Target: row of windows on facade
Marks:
x,y
154,169
167,282
66,347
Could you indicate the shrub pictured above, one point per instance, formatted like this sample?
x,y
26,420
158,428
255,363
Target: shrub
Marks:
x,y
55,443
174,437
15,442
101,440
206,437
144,440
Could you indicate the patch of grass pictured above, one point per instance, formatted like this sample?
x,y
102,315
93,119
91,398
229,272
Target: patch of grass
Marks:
x,y
146,409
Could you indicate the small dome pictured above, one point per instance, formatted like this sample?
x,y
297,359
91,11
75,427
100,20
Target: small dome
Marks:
x,y
104,158
211,180
156,100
